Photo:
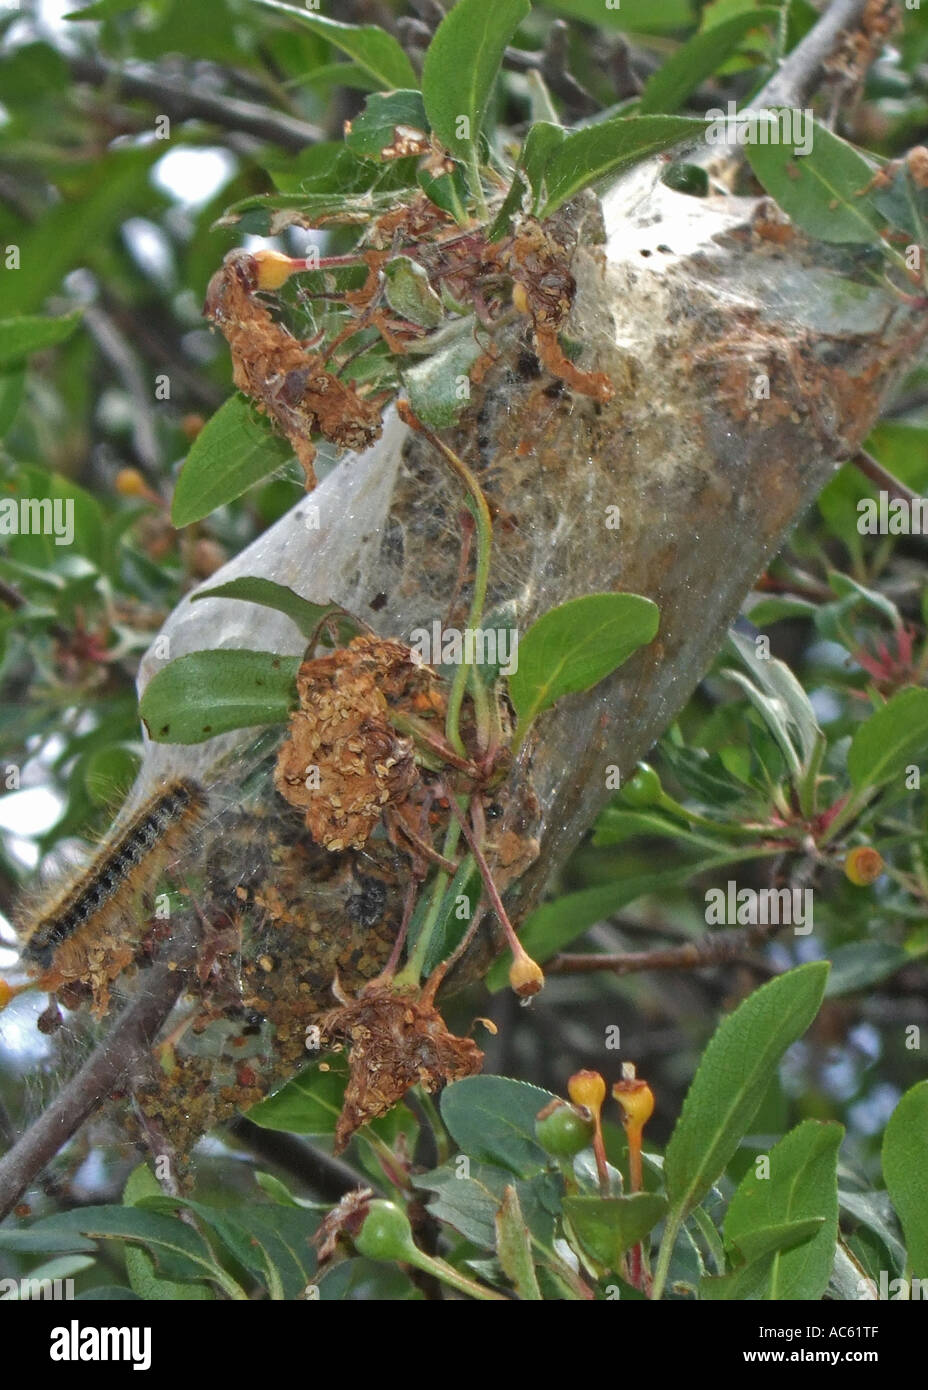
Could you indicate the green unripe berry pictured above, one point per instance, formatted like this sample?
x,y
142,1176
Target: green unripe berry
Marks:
x,y
644,789
386,1233
564,1130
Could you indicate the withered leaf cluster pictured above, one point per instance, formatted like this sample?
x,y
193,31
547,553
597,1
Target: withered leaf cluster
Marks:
x,y
397,1041
343,762
294,385
287,381
538,260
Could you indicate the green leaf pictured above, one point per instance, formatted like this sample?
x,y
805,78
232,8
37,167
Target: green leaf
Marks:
x,y
307,616
802,1185
140,1267
461,66
514,1247
822,190
51,547
235,449
892,739
904,204
21,337
180,1251
492,1118
271,1241
512,204
776,609
31,1285
905,1163
846,587
309,1104
784,705
212,692
752,1280
863,963
633,16
768,1240
470,1204
43,1238
309,209
12,389
450,926
374,130
467,1204
446,191
540,144
371,47
697,59
78,229
874,1211
574,646
608,1226
588,155
439,386
409,293
733,1077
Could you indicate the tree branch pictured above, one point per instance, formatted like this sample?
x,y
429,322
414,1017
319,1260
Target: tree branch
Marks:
x,y
695,955
871,468
117,350
126,1044
328,1176
174,98
802,72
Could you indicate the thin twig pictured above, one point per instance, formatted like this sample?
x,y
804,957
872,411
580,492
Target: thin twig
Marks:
x,y
804,69
870,467
328,1176
126,1044
117,350
695,955
179,101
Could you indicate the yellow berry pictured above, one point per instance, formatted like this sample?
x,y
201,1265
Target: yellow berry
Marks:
x,y
520,298
863,865
587,1088
274,269
526,976
130,483
637,1101
191,425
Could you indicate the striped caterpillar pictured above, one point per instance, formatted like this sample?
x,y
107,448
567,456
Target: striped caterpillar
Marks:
x,y
86,934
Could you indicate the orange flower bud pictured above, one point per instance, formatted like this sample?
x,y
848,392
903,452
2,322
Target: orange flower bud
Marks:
x,y
6,994
587,1088
863,865
526,976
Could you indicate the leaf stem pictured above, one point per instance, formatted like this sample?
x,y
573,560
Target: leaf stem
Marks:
x,y
476,182
414,968
478,505
668,1241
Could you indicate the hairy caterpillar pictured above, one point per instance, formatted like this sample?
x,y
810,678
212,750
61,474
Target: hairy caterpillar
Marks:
x,y
85,934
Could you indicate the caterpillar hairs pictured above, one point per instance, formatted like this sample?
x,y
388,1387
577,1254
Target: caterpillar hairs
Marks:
x,y
86,934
